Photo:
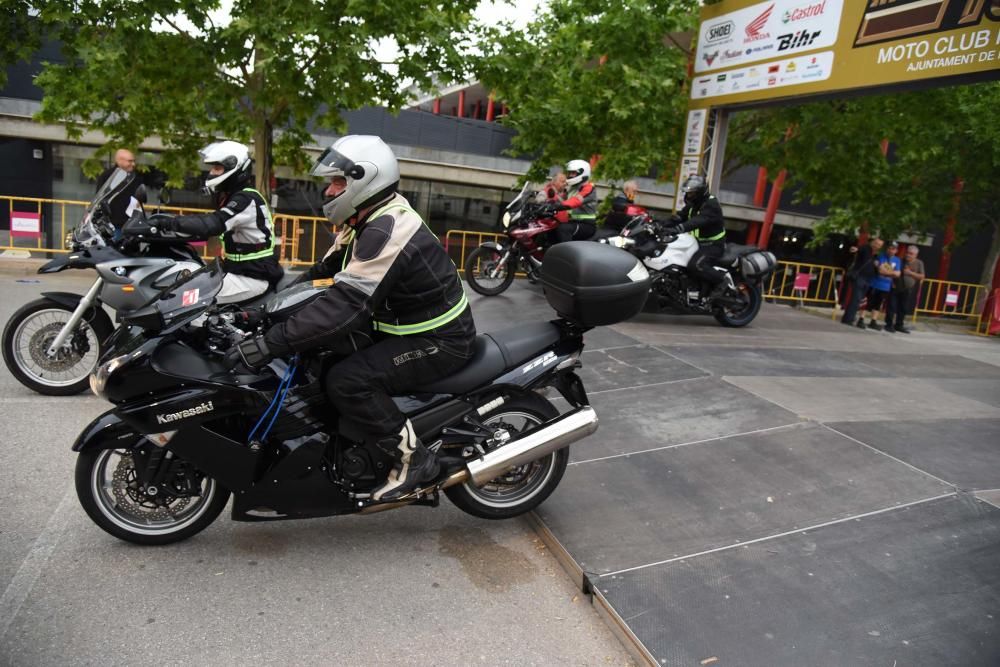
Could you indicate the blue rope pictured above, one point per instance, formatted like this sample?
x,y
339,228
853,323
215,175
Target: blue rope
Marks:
x,y
279,397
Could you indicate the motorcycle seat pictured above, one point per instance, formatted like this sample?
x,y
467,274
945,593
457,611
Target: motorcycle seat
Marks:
x,y
494,353
733,252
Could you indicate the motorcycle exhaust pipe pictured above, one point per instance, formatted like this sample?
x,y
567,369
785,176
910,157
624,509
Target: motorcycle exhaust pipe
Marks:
x,y
558,433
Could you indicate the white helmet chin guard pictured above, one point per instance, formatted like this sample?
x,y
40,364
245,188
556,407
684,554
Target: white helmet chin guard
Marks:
x,y
370,168
234,158
577,171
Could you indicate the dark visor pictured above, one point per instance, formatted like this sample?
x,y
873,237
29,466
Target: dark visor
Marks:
x,y
332,163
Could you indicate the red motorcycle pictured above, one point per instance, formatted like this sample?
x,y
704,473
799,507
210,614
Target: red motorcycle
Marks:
x,y
490,268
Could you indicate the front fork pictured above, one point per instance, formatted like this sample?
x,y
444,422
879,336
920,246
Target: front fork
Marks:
x,y
86,302
501,262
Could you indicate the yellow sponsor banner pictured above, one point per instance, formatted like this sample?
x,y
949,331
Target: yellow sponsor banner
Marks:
x,y
750,51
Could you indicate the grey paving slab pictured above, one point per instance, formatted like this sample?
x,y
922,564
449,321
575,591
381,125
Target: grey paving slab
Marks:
x,y
917,365
628,511
632,367
862,399
917,586
674,413
728,360
984,390
964,452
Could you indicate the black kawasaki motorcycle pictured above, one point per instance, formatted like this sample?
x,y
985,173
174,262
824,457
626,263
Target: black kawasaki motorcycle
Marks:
x,y
185,432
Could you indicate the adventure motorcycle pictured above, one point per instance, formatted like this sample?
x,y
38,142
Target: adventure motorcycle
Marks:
x,y
490,268
52,344
185,432
667,254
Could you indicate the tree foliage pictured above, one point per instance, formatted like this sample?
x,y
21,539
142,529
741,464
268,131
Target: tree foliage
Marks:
x,y
21,33
833,156
566,104
270,71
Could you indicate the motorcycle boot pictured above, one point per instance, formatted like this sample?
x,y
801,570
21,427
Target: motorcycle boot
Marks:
x,y
415,465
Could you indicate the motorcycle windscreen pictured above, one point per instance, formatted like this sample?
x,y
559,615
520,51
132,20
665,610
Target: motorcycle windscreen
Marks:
x,y
90,231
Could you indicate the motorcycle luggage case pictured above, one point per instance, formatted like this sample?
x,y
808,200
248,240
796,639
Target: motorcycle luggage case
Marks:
x,y
758,264
593,284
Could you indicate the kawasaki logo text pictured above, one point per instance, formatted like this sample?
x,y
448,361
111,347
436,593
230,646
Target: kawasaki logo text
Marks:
x,y
183,414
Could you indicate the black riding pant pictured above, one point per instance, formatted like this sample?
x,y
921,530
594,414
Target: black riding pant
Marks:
x,y
574,231
361,386
702,264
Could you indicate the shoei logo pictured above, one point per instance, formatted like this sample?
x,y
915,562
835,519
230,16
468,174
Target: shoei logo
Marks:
x,y
719,31
184,414
755,29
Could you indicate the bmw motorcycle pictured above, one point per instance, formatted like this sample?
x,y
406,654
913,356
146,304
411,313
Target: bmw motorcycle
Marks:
x,y
666,255
52,344
490,268
186,433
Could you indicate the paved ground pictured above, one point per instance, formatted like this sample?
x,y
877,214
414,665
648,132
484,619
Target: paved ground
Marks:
x,y
414,586
793,493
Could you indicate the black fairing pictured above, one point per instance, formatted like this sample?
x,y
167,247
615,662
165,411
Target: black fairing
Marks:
x,y
82,259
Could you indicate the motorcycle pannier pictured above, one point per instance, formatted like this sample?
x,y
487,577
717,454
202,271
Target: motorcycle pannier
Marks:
x,y
758,264
593,284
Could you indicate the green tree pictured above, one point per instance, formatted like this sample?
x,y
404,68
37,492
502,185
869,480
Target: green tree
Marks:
x,y
595,78
22,35
833,156
268,71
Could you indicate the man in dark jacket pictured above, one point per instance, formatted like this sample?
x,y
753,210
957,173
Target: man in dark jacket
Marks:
x,y
122,201
391,279
243,220
863,271
702,216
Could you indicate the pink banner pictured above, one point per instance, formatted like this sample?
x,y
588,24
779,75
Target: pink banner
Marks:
x,y
25,224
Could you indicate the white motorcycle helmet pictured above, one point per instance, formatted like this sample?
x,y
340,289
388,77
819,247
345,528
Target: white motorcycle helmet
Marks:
x,y
370,168
235,160
577,171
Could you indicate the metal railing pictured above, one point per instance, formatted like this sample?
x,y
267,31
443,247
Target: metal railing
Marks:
x,y
459,243
802,282
949,298
65,214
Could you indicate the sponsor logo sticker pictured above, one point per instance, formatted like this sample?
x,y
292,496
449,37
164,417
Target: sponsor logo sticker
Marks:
x,y
190,297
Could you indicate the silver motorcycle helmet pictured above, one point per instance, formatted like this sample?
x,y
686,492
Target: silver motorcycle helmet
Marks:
x,y
370,169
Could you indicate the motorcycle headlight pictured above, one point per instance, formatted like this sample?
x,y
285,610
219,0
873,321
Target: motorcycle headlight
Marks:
x,y
99,378
506,220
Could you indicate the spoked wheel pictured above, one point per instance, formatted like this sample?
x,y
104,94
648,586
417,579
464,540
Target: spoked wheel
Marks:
x,y
26,340
486,274
742,315
183,504
524,488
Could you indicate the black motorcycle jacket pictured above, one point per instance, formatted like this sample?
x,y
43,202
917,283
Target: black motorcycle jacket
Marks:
x,y
704,220
390,275
244,222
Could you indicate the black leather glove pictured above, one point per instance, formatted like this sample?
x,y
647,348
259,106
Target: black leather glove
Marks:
x,y
252,353
162,222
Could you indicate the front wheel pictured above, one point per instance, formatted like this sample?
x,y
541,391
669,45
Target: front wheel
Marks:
x,y
30,332
185,502
486,273
744,313
524,488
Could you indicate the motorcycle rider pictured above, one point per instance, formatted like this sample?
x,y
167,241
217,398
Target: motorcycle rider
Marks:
x,y
392,279
243,220
702,215
578,211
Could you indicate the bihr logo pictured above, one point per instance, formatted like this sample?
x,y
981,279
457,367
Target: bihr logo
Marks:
x,y
797,40
755,29
184,414
710,57
719,32
807,12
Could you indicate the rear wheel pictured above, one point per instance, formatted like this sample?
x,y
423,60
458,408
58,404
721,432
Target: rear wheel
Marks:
x,y
741,315
524,488
486,274
109,490
30,332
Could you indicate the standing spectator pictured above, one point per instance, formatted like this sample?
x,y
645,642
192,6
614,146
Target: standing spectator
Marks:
x,y
888,268
903,288
555,190
860,276
121,203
